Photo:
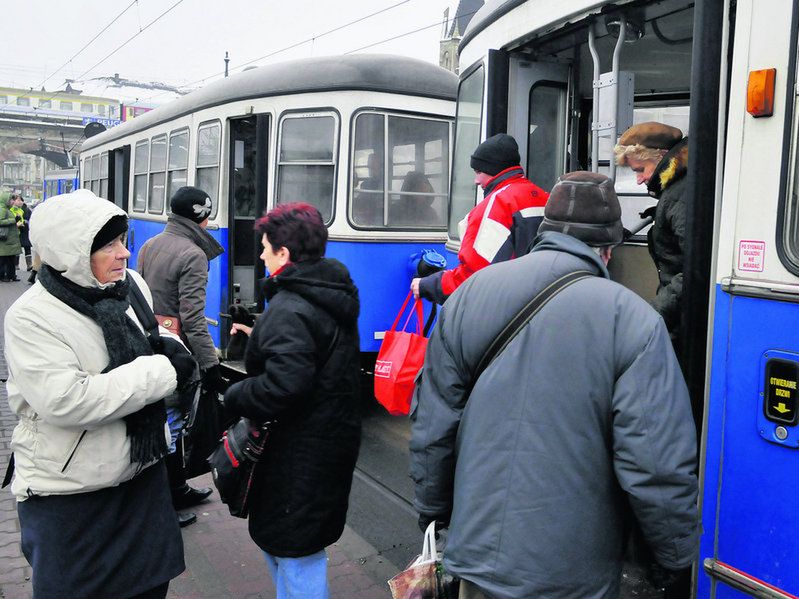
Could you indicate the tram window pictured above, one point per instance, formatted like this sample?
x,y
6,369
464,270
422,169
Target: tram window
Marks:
x,y
790,230
306,166
140,165
467,136
207,171
409,190
23,101
96,174
155,197
44,103
85,107
65,105
104,175
101,109
546,149
3,99
178,163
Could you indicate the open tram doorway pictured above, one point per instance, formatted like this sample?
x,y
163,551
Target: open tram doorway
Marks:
x,y
247,185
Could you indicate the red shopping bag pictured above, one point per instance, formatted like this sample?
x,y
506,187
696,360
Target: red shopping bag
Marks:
x,y
399,360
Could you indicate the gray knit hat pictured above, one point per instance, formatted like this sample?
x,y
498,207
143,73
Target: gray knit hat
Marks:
x,y
584,205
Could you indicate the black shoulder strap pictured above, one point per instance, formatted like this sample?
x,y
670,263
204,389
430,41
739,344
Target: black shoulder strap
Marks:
x,y
143,311
524,316
9,472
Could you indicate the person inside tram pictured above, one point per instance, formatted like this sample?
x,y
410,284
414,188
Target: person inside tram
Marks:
x,y
92,498
500,227
416,209
303,373
367,205
658,154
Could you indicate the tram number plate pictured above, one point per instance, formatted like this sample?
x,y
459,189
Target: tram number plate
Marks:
x,y
782,378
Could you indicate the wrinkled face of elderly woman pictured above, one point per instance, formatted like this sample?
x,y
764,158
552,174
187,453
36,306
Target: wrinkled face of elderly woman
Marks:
x,y
108,263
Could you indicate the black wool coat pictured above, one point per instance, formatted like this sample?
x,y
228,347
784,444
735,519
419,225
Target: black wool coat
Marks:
x,y
303,365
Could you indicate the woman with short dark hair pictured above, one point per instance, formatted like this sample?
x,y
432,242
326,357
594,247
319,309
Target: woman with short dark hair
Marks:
x,y
302,361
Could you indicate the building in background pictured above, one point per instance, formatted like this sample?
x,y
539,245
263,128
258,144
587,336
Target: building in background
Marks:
x,y
41,131
453,31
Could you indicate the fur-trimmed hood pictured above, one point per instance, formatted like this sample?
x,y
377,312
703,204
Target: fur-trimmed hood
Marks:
x,y
672,168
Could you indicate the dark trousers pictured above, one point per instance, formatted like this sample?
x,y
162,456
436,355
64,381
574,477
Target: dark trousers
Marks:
x,y
158,592
8,267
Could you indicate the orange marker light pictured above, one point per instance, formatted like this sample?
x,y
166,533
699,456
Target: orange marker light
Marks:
x,y
760,92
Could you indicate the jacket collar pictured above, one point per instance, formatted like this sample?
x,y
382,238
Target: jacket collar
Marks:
x,y
672,167
501,177
560,242
184,227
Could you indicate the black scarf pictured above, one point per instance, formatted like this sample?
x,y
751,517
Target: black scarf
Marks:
x,y
124,342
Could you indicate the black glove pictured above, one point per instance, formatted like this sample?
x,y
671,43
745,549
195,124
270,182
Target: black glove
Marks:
x,y
213,379
649,212
17,218
182,361
441,522
661,578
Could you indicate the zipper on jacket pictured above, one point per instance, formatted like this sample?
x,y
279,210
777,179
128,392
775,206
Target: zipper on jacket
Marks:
x,y
74,449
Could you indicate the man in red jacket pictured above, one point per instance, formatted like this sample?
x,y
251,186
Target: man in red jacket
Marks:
x,y
502,226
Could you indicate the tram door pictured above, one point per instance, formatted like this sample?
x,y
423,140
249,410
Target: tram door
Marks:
x,y
537,117
246,201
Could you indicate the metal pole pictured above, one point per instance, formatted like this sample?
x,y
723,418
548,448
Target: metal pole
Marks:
x,y
227,60
595,109
615,112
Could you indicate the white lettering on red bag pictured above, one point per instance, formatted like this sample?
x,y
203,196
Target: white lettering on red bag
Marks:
x,y
382,369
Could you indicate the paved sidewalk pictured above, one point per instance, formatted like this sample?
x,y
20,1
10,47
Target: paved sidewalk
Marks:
x,y
221,560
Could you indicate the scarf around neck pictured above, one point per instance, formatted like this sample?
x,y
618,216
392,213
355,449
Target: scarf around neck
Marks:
x,y
125,342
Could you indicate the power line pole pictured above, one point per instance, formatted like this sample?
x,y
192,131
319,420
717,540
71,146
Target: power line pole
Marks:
x,y
227,60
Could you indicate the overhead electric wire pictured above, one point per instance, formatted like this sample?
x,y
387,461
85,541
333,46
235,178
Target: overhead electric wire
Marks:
x,y
89,43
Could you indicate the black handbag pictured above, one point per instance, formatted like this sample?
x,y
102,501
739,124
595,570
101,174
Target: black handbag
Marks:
x,y
233,463
201,431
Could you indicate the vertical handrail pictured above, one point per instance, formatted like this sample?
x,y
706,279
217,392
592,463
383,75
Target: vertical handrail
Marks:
x,y
595,109
615,112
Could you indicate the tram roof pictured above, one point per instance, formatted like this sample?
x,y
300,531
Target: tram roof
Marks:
x,y
360,72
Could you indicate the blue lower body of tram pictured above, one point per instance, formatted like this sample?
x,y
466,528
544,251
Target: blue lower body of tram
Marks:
x,y
379,269
749,509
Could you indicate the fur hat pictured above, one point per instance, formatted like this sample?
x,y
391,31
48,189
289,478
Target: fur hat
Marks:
x,y
584,205
496,154
192,203
113,228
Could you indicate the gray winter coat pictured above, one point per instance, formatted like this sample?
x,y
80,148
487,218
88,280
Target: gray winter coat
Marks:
x,y
175,266
582,423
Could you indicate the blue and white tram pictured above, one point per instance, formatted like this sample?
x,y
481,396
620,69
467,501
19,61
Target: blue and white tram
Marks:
x,y
60,181
566,78
365,138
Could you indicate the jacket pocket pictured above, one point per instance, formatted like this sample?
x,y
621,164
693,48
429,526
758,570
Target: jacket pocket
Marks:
x,y
72,451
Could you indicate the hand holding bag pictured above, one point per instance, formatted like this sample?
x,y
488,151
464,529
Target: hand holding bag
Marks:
x,y
400,358
425,578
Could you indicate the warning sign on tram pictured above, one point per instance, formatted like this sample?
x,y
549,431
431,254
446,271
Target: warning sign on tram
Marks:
x,y
751,255
782,378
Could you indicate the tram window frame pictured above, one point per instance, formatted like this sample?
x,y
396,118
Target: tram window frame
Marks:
x,y
393,174
101,109
461,152
787,229
172,168
44,103
95,178
23,101
157,178
203,170
87,173
62,105
141,166
103,175
282,165
86,107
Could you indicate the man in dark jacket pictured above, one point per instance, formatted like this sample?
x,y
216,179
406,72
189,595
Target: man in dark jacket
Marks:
x,y
175,266
498,228
579,427
658,154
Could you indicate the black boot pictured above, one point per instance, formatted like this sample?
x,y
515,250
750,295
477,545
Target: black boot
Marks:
x,y
186,518
183,496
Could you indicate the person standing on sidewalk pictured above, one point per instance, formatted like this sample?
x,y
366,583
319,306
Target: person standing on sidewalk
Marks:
x,y
24,239
498,228
175,266
95,515
579,427
10,247
303,368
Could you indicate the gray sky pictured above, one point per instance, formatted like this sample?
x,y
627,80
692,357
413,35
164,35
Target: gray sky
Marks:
x,y
188,44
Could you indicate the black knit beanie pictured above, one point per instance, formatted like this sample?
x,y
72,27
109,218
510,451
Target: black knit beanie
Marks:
x,y
192,203
115,227
584,205
496,154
